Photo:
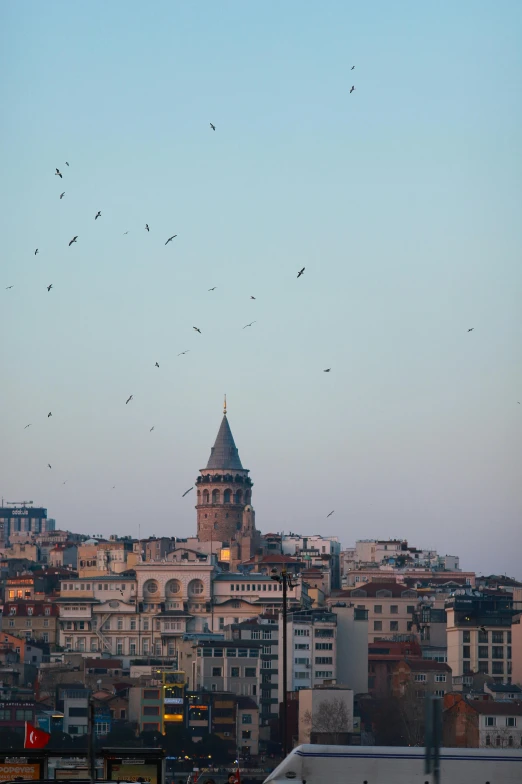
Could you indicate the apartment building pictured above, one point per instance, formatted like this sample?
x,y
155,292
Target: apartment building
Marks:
x,y
421,677
231,666
237,597
312,650
390,607
323,552
470,723
479,634
32,620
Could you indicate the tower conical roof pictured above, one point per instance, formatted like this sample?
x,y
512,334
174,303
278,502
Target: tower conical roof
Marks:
x,y
224,453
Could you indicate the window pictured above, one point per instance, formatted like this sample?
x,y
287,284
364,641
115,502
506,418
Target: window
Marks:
x,y
483,667
151,710
27,715
78,712
151,694
497,668
394,626
45,637
440,679
323,660
497,637
394,609
303,646
234,672
218,653
377,626
324,633
250,672
267,634
420,677
439,692
133,624
323,646
378,608
497,652
323,673
301,675
246,734
216,672
466,636
246,718
302,632
232,652
30,610
120,624
511,721
483,652
482,636
491,721
410,608
488,740
5,715
301,660
466,651
150,727
242,653
253,653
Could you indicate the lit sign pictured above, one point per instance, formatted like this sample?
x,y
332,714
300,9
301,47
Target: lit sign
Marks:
x,y
173,700
19,512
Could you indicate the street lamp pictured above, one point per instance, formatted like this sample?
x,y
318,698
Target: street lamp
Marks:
x,y
287,581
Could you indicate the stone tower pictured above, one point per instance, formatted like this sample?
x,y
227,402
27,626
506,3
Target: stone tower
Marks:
x,y
224,496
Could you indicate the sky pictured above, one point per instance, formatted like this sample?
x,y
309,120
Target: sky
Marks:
x,y
401,200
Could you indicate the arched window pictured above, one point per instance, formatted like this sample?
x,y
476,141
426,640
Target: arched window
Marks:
x,y
150,588
215,496
206,497
173,587
226,496
195,588
248,495
238,496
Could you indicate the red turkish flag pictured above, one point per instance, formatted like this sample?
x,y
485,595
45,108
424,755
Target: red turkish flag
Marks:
x,y
35,738
237,779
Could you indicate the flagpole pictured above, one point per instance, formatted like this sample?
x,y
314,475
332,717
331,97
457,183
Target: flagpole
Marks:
x,y
91,742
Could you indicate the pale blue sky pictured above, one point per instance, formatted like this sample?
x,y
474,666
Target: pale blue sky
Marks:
x,y
402,201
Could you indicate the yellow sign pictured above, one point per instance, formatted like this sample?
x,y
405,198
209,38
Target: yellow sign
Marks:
x,y
126,772
15,770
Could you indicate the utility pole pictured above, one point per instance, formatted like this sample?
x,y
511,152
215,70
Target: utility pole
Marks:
x,y
91,735
286,581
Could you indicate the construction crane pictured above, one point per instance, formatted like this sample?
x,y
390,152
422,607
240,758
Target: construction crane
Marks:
x,y
18,503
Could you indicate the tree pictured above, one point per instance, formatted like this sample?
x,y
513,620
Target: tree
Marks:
x,y
330,716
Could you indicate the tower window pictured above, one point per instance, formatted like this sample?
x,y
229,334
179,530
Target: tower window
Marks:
x,y
238,497
226,496
215,526
215,496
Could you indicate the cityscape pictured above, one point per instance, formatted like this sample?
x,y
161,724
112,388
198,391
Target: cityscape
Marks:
x,y
182,638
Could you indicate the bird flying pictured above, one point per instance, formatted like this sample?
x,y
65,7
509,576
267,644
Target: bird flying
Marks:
x,y
129,399
301,272
471,330
187,491
251,297
249,325
58,172
213,127
125,232
62,195
352,89
197,330
49,287
50,466
73,240
8,287
36,251
170,239
147,226
98,215
152,428
331,513
213,288
184,352
49,414
64,483
353,66
156,365
327,370
482,629
66,163
25,428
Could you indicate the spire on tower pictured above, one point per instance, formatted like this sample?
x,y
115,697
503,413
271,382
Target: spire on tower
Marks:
x,y
224,454
225,406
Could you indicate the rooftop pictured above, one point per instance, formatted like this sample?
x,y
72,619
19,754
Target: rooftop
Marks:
x,y
427,665
490,708
224,453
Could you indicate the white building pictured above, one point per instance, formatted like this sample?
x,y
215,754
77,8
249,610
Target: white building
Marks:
x,y
318,551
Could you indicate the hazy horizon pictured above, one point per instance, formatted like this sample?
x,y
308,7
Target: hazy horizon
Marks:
x,y
401,200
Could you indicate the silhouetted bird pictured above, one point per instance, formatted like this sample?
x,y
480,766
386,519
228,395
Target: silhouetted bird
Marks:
x,y
25,428
327,370
352,89
184,352
66,163
62,195
49,287
353,66
8,287
197,330
251,297
49,414
152,428
213,127
482,629
36,251
58,172
187,491
156,365
125,232
129,399
73,240
471,330
50,466
301,272
147,226
249,325
213,288
170,239
98,215
331,513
